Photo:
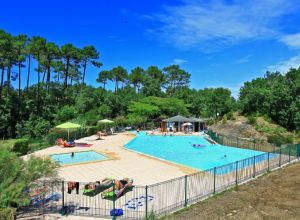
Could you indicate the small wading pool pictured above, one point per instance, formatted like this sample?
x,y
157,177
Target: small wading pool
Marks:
x,y
79,157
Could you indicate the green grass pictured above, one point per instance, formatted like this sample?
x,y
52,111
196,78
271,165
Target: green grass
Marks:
x,y
34,144
7,143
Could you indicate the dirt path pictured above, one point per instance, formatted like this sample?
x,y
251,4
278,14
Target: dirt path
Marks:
x,y
273,196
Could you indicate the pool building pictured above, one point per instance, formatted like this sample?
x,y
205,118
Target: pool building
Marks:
x,y
178,123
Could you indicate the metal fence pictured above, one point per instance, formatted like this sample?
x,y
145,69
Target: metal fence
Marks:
x,y
158,199
248,143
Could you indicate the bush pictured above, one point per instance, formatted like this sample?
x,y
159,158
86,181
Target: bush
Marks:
x,y
21,146
229,116
65,113
279,139
224,121
7,214
252,120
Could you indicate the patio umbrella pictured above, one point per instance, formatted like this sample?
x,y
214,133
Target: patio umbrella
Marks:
x,y
68,126
106,121
187,124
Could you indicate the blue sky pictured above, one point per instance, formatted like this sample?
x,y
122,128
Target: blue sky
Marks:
x,y
221,43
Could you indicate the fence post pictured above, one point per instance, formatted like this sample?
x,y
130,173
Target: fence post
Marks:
x,y
215,170
43,200
290,153
237,142
254,144
146,206
253,167
185,190
268,161
114,200
280,157
63,193
236,172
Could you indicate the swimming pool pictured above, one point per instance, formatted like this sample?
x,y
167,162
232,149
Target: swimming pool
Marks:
x,y
180,150
79,157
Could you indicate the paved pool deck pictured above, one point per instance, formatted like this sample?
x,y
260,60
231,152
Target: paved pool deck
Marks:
x,y
122,162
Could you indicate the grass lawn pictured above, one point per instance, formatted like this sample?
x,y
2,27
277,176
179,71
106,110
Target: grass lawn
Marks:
x,y
273,196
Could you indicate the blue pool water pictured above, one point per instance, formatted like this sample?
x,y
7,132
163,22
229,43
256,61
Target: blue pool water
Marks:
x,y
79,157
180,150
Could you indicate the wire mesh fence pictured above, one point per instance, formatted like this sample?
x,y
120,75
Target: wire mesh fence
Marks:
x,y
139,202
248,143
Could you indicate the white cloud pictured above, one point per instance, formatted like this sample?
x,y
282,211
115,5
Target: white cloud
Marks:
x,y
214,24
244,59
179,61
285,65
292,40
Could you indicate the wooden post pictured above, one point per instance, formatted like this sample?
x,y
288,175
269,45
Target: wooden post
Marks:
x,y
236,172
253,166
185,190
215,170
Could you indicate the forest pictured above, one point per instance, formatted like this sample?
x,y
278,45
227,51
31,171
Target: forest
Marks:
x,y
140,96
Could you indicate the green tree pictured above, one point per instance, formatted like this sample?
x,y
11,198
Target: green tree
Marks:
x,y
153,80
18,174
136,77
118,74
176,78
38,46
52,52
20,42
69,52
103,77
89,55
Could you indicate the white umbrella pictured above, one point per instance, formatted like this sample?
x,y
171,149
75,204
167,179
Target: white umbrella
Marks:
x,y
187,124
106,121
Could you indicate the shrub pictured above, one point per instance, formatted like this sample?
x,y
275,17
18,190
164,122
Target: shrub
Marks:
x,y
21,146
229,116
279,139
65,113
224,121
252,120
7,213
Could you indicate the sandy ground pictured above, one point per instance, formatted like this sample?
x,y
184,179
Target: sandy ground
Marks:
x,y
272,196
122,163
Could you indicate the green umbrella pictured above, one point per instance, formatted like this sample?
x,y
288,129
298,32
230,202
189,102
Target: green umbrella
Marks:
x,y
68,126
106,121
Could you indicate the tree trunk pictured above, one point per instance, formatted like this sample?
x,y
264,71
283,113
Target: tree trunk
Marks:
x,y
67,72
117,85
28,74
19,66
104,85
48,76
2,79
84,69
44,76
38,92
8,75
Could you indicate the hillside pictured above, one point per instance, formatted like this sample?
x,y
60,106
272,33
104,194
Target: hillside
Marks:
x,y
253,127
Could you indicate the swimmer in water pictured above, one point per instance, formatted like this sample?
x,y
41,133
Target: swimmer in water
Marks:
x,y
72,154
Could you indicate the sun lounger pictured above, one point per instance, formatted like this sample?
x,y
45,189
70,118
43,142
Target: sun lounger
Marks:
x,y
117,193
99,187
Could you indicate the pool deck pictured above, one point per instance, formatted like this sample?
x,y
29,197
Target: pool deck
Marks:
x,y
122,163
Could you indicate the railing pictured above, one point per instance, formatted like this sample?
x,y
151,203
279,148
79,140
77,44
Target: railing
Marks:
x,y
158,199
